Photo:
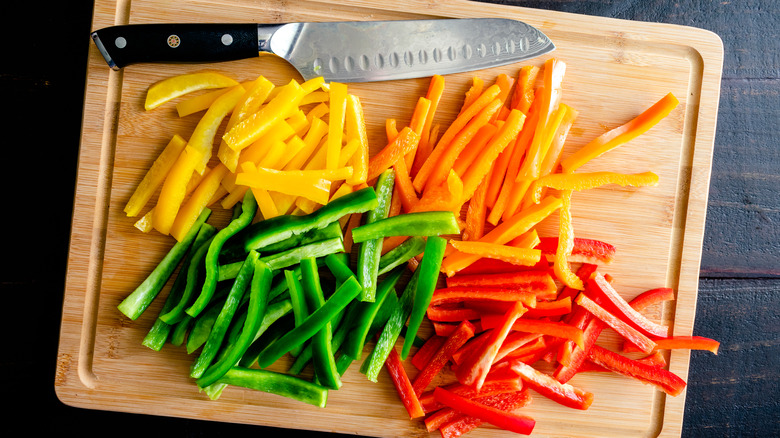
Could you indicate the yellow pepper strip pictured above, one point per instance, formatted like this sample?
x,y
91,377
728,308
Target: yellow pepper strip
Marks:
x,y
503,233
311,140
341,191
191,209
265,203
561,265
291,182
314,84
259,149
174,188
355,129
273,155
220,193
198,103
318,111
203,136
529,239
284,202
146,223
292,147
622,134
315,97
347,152
155,176
585,181
511,254
338,108
176,86
284,105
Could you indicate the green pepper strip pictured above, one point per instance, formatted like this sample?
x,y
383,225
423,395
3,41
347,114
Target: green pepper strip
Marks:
x,y
270,231
313,323
274,332
338,267
136,303
275,312
425,223
367,312
392,329
160,330
322,354
180,330
248,209
258,300
411,247
192,276
426,284
312,250
298,300
371,250
307,352
217,335
272,382
202,327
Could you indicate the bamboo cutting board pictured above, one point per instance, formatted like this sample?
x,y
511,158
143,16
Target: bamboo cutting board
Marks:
x,y
615,69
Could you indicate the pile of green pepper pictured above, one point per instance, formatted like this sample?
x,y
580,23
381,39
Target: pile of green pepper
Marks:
x,y
250,293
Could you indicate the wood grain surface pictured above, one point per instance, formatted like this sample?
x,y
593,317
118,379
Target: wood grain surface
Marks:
x,y
728,395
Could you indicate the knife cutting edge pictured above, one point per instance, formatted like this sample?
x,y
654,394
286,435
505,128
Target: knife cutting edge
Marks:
x,y
347,51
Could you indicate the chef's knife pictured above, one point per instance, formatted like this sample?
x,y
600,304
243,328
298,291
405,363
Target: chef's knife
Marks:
x,y
359,51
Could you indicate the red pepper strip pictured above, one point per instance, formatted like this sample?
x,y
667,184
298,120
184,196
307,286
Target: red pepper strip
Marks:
x,y
496,266
585,271
514,341
504,420
446,329
462,424
530,280
561,306
644,343
681,342
656,359
600,287
498,381
427,350
578,317
463,333
562,393
584,250
527,351
650,297
550,328
592,331
464,294
472,345
403,385
667,381
475,367
450,314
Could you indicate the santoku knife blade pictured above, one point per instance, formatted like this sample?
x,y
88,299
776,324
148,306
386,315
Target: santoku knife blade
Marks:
x,y
347,51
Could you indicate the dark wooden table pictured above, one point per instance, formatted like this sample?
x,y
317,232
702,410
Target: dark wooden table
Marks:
x,y
732,394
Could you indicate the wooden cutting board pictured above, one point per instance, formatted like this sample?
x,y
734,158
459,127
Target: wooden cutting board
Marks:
x,y
615,70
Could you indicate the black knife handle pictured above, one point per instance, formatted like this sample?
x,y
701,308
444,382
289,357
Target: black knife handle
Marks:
x,y
176,43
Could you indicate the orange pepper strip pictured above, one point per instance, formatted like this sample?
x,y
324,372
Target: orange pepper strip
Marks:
x,y
503,233
443,197
475,214
511,254
585,181
174,189
524,91
480,168
505,83
488,96
427,140
338,110
155,175
200,198
391,129
622,134
450,151
473,93
474,147
282,106
355,128
417,123
403,182
561,265
176,86
496,179
405,142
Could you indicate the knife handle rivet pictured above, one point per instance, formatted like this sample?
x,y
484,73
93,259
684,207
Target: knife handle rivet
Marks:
x,y
120,42
227,39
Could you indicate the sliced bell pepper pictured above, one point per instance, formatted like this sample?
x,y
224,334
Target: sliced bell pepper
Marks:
x,y
260,284
600,287
476,213
497,382
551,328
562,393
424,354
291,182
174,189
589,251
202,137
395,150
370,251
561,265
428,276
403,385
355,129
434,95
427,223
465,294
295,255
138,300
504,420
192,275
446,196
508,402
537,281
517,256
200,198
175,86
474,147
650,297
338,107
561,306
282,384
476,366
399,255
622,134
586,181
665,380
463,332
155,176
681,342
623,328
524,88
